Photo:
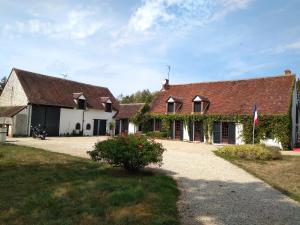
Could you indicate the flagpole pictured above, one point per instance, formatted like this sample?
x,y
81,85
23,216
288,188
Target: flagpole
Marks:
x,y
253,132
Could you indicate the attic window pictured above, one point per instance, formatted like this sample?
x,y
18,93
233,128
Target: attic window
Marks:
x,y
170,107
200,104
197,106
81,104
108,107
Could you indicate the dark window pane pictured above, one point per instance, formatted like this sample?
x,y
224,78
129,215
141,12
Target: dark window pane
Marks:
x,y
157,125
197,106
88,126
77,127
170,107
81,104
108,107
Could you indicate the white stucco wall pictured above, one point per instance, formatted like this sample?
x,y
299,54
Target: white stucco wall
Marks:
x,y
21,123
238,134
132,128
13,93
69,118
272,142
186,136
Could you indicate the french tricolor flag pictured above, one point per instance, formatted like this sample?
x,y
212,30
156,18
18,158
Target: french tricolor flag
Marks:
x,y
255,115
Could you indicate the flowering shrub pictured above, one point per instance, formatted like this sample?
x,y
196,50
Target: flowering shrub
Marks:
x,y
157,134
250,152
131,152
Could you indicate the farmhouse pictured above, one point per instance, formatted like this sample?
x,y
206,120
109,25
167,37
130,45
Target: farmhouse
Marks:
x,y
60,106
126,112
190,107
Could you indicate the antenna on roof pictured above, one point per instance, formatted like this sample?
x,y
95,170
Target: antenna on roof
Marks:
x,y
169,69
64,75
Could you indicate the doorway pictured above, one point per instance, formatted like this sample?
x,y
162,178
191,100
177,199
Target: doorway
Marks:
x,y
198,132
224,132
99,127
178,130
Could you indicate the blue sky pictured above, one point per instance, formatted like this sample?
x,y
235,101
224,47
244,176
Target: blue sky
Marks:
x,y
126,45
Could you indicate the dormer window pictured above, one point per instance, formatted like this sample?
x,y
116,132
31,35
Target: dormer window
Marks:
x,y
80,100
107,104
200,104
197,104
174,104
108,107
170,107
81,104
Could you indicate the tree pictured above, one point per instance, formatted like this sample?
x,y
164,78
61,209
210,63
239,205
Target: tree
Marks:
x,y
144,96
2,84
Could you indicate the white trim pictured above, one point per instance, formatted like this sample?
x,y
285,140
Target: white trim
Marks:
x,y
170,99
197,99
82,97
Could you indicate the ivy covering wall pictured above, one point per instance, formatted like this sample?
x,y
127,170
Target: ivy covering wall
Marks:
x,y
271,126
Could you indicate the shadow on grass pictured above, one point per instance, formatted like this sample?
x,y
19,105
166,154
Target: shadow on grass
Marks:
x,y
83,192
218,202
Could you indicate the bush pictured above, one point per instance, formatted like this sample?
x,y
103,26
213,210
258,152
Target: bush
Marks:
x,y
250,152
131,152
157,134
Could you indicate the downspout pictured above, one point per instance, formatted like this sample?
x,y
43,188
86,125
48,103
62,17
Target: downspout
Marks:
x,y
29,120
83,112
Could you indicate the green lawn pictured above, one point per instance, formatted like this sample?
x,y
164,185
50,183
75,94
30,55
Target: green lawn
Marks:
x,y
40,187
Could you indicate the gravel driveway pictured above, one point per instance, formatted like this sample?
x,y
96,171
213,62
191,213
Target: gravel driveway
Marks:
x,y
213,191
77,146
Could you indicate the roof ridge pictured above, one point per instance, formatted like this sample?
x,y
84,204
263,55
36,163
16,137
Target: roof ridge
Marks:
x,y
224,81
53,77
139,103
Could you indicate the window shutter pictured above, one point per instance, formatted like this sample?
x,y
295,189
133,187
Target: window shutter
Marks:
x,y
201,132
181,130
231,133
191,130
217,132
171,130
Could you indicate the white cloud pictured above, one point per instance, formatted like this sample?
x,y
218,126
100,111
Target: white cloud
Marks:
x,y
77,25
157,16
293,46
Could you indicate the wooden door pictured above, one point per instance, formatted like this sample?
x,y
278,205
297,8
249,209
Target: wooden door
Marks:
x,y
178,130
225,133
102,127
217,132
96,125
199,134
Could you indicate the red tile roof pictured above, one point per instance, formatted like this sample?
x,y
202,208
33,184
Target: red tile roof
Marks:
x,y
129,110
272,95
10,111
46,90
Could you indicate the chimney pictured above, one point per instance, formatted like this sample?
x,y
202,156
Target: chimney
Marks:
x,y
166,85
287,72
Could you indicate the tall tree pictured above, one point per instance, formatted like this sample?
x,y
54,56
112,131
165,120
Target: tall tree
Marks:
x,y
2,84
144,96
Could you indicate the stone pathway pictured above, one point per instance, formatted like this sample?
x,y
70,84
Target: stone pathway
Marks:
x,y
216,192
